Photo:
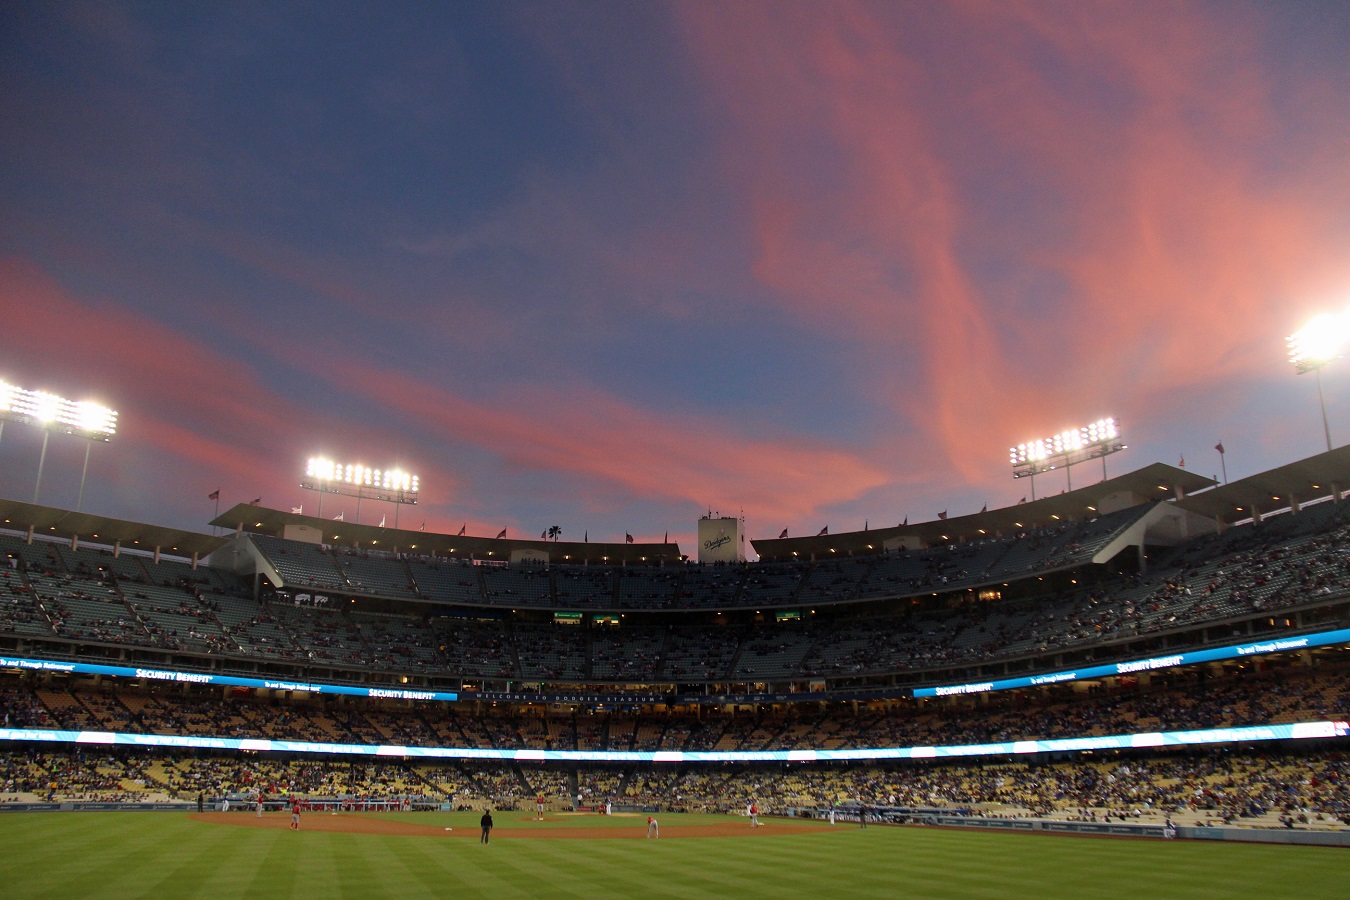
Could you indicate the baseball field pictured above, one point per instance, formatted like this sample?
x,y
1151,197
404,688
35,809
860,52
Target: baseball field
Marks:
x,y
406,855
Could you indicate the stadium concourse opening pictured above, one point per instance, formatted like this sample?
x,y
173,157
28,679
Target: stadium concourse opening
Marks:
x,y
967,665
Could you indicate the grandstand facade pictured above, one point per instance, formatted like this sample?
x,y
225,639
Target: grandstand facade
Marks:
x,y
827,643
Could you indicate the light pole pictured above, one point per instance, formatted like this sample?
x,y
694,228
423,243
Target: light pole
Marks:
x,y
1322,402
84,473
1321,341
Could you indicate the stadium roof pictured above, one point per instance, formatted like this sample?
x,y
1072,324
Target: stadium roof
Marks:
x,y
247,518
1155,482
1297,483
85,527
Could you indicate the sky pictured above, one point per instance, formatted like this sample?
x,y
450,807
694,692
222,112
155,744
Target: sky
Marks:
x,y
613,266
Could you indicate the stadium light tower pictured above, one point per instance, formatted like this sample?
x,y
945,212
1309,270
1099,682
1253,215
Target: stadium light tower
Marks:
x,y
49,412
360,481
1096,439
1321,341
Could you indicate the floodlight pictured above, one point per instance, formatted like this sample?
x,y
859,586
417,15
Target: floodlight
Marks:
x,y
92,418
320,468
47,410
1323,340
358,480
1091,441
45,406
50,412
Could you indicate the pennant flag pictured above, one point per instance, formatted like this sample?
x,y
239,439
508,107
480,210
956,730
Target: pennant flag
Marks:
x,y
825,530
783,535
298,510
942,515
501,534
627,538
462,527
381,521
214,495
1219,447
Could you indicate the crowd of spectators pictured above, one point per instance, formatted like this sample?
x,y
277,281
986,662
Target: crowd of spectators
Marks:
x,y
1180,700
1292,786
1221,785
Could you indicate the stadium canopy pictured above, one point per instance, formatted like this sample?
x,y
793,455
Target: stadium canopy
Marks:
x,y
119,534
1155,482
246,518
1287,487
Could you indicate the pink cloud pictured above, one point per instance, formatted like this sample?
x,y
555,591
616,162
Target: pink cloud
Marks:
x,y
211,413
863,154
589,436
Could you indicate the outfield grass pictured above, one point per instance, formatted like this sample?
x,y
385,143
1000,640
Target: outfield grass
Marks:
x,y
168,855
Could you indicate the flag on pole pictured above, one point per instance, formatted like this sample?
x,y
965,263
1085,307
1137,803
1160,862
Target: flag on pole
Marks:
x,y
298,510
586,538
339,517
985,508
501,534
904,523
543,535
942,515
255,501
424,527
382,521
1023,500
462,527
214,495
627,538
783,535
823,531
1219,447
1183,461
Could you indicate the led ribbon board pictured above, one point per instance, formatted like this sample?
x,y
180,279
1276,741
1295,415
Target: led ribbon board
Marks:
x,y
276,684
1299,731
1237,651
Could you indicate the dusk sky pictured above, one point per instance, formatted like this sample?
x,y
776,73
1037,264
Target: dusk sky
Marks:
x,y
609,266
